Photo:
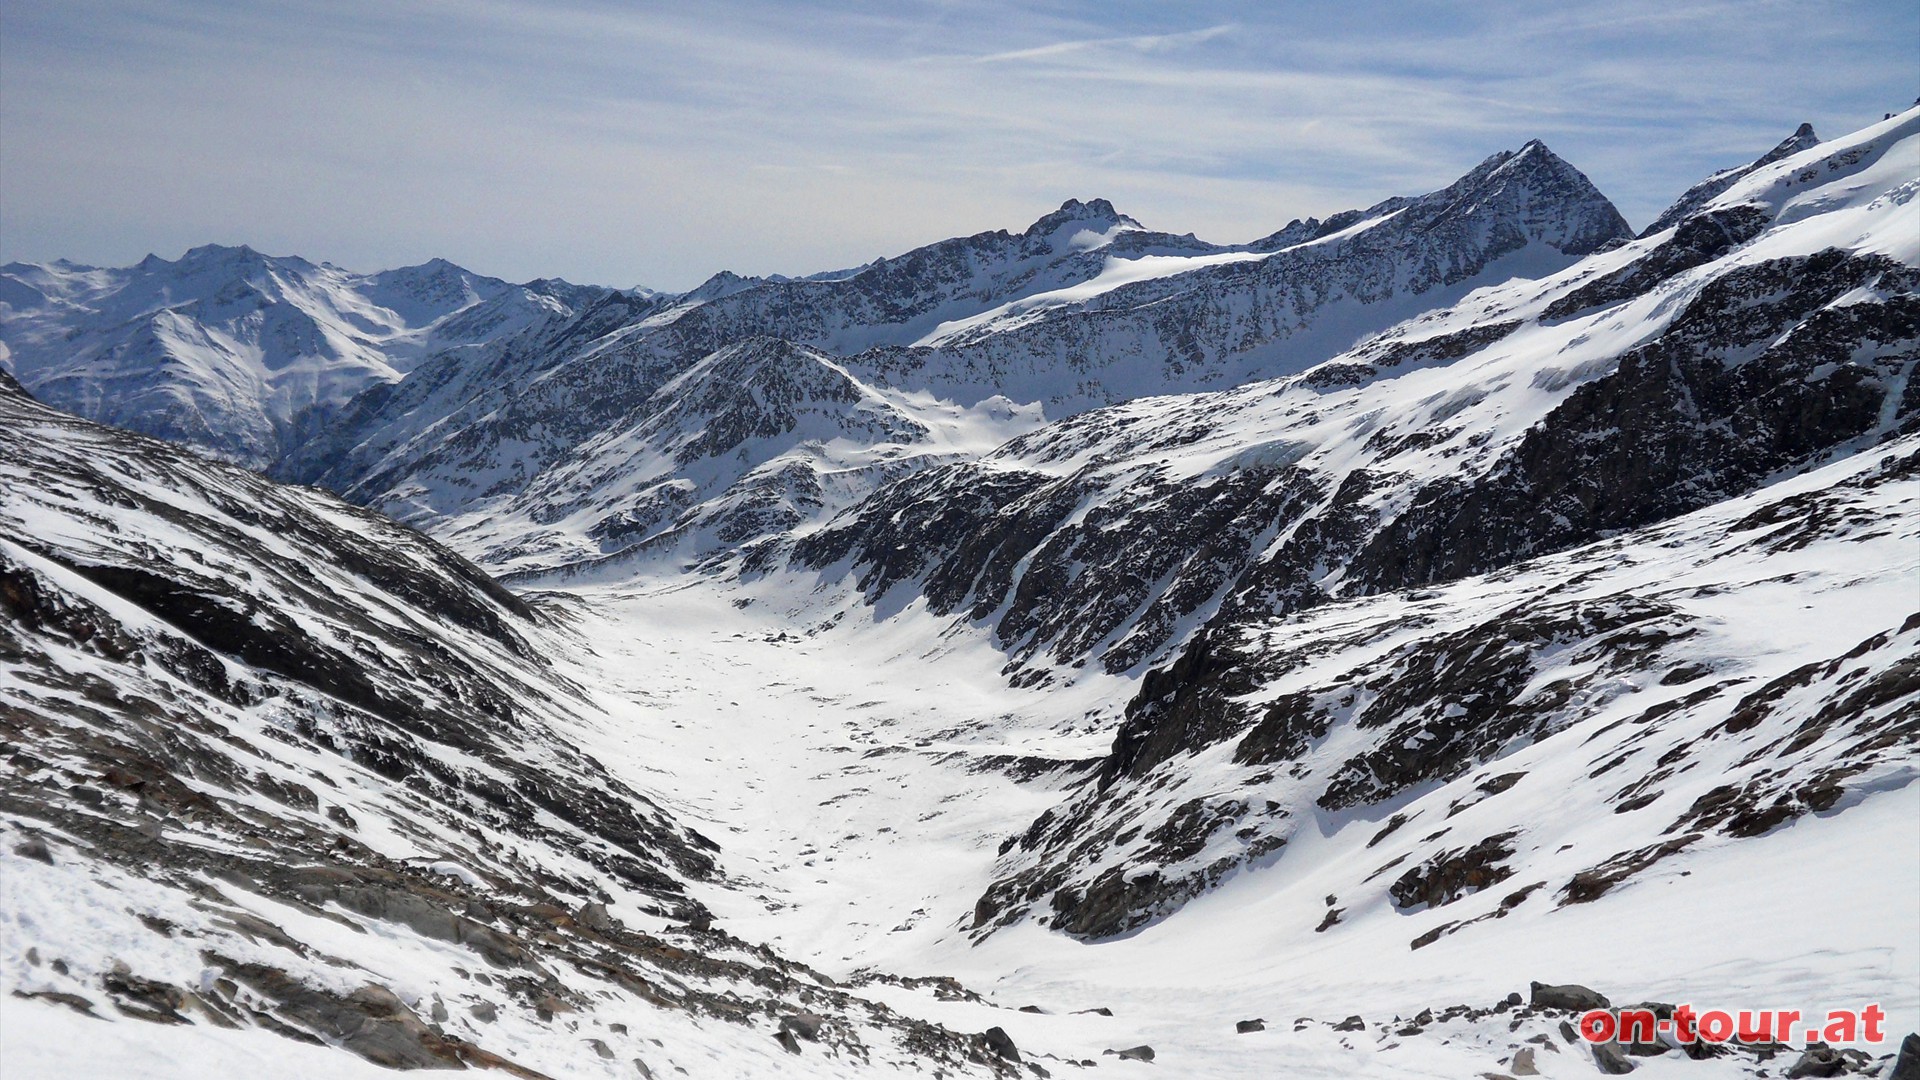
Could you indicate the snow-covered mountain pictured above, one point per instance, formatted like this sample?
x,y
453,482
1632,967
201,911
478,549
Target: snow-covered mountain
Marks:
x,y
1083,308
232,351
1775,326
1080,651
756,440
1773,331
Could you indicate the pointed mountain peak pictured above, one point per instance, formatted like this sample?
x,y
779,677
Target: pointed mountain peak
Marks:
x,y
724,283
1802,138
434,270
1704,192
437,265
1533,154
1097,214
1537,191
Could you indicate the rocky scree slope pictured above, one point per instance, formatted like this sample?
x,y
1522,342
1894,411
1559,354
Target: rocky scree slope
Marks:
x,y
278,765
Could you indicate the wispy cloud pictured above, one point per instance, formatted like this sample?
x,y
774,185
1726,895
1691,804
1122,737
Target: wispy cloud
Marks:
x,y
1139,43
656,145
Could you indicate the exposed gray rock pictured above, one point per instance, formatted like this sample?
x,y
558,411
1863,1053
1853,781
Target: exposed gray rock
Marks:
x,y
1907,1065
804,1024
1608,1058
1569,996
1817,1060
594,917
1001,1043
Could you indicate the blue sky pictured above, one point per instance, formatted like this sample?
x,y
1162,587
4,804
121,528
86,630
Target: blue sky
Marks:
x,y
654,144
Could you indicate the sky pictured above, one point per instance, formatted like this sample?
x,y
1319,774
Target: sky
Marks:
x,y
655,144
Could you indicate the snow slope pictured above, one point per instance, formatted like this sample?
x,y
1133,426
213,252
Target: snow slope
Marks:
x,y
881,776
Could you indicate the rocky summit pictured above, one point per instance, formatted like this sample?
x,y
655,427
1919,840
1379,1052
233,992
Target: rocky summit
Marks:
x,y
1073,650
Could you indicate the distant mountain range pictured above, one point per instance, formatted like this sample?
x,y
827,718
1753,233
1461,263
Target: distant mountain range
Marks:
x,y
232,351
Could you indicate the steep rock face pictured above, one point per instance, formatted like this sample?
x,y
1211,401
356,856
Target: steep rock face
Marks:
x,y
1423,732
1647,381
228,350
1761,372
278,765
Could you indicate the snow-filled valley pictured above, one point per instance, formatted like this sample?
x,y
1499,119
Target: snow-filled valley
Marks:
x,y
1086,651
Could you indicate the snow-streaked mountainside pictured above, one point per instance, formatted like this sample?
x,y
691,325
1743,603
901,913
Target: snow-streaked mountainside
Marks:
x,y
1776,325
333,778
1086,651
233,351
1699,195
1083,308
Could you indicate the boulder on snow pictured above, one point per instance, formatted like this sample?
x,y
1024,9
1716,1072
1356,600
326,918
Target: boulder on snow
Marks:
x,y
1246,1026
804,1024
1818,1060
1610,1060
594,917
1907,1065
1569,996
1001,1043
1142,1052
